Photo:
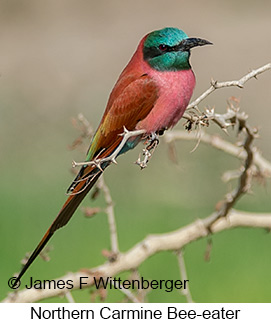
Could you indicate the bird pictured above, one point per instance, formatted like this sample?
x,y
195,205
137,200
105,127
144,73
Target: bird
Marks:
x,y
149,97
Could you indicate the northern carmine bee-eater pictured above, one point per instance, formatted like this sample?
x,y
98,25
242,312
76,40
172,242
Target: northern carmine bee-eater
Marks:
x,y
151,94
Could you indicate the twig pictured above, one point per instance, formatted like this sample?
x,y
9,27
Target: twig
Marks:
x,y
247,171
244,180
151,245
239,83
87,128
217,142
112,158
141,292
186,292
110,215
69,297
129,295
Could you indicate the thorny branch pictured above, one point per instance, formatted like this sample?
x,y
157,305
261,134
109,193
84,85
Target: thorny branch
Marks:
x,y
112,158
239,83
111,218
244,182
111,254
85,128
263,166
225,217
186,292
151,142
148,247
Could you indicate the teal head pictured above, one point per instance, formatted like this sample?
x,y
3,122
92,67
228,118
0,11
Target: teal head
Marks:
x,y
168,49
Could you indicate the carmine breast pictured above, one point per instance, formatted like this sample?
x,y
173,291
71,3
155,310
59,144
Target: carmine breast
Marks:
x,y
175,91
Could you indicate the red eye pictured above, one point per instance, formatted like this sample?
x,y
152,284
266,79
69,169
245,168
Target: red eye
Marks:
x,y
163,47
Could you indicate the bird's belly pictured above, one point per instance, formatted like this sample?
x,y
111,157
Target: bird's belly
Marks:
x,y
176,89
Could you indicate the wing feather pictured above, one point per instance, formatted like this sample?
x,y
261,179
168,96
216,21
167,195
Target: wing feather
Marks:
x,y
132,105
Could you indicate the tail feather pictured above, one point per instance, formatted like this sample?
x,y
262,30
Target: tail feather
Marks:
x,y
73,201
84,181
63,217
34,255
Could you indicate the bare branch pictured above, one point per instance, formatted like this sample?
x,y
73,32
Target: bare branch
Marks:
x,y
111,217
86,130
186,292
217,142
112,158
239,83
151,245
86,126
247,171
245,178
69,297
129,295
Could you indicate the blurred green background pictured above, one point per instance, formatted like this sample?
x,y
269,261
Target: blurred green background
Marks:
x,y
60,58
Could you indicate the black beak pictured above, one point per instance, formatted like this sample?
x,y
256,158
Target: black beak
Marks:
x,y
188,43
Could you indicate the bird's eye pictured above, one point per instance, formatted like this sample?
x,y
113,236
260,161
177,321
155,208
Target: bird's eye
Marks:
x,y
163,47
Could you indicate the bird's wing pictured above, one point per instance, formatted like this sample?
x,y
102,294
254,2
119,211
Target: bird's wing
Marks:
x,y
132,105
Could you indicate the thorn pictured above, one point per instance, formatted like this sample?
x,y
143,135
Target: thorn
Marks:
x,y
98,164
255,132
228,124
241,86
229,108
114,161
80,116
125,129
226,131
213,83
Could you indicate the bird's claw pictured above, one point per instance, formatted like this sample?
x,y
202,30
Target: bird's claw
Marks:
x,y
143,163
151,142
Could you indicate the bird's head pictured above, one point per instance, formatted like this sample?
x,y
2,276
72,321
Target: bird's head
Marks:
x,y
168,49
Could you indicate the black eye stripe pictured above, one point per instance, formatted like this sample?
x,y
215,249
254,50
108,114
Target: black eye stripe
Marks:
x,y
151,52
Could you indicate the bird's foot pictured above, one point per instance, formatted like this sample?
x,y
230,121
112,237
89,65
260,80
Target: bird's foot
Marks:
x,y
143,163
151,142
